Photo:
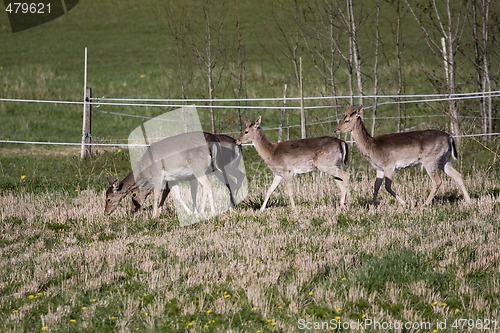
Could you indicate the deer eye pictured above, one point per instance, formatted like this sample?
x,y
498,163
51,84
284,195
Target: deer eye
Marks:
x,y
346,121
246,132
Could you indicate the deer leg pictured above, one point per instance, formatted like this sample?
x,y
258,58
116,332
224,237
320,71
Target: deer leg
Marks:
x,y
175,188
223,177
207,188
193,184
342,180
388,187
289,190
277,180
164,195
376,188
436,183
457,177
237,173
157,191
135,205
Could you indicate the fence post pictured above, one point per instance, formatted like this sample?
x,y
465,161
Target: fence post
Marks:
x,y
302,113
86,136
282,118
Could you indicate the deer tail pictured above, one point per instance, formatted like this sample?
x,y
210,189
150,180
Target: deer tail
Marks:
x,y
454,152
344,151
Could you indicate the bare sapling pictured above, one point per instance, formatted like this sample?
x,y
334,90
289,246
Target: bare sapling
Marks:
x,y
289,158
390,152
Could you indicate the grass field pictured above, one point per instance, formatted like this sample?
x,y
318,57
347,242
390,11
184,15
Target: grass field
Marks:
x,y
65,267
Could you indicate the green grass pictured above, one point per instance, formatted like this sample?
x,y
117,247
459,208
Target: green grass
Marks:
x,y
133,53
67,267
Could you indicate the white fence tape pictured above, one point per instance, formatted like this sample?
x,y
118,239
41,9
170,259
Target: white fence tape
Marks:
x,y
139,145
156,102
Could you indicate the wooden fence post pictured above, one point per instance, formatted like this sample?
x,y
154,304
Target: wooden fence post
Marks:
x,y
302,112
86,136
282,118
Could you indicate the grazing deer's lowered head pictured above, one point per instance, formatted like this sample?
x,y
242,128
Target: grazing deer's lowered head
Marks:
x,y
390,152
117,191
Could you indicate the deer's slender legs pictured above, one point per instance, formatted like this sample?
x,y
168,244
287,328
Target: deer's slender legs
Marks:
x,y
436,183
207,189
342,180
376,187
457,177
175,188
157,192
289,189
277,180
389,174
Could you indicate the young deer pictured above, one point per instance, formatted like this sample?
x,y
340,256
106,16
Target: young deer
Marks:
x,y
163,165
288,158
388,153
226,158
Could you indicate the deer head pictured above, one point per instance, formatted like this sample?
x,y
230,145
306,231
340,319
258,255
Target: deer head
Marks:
x,y
347,123
114,195
248,134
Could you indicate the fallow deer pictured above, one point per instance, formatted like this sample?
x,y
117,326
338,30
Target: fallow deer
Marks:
x,y
390,152
289,158
163,162
226,158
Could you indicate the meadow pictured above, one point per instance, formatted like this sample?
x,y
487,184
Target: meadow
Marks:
x,y
66,267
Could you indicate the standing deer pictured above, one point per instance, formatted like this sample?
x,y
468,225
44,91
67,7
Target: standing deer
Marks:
x,y
163,162
388,153
226,157
289,158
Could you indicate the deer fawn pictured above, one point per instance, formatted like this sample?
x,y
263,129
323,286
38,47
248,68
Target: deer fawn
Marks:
x,y
388,153
288,158
166,161
226,157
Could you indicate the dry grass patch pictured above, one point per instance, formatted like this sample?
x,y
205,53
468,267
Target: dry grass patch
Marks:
x,y
66,266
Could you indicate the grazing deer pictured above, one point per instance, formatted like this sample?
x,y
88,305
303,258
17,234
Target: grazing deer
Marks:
x,y
288,158
226,157
388,153
163,162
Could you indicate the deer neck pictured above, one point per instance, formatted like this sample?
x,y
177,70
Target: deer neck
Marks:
x,y
363,139
128,183
264,147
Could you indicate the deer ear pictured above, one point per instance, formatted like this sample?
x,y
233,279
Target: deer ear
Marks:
x,y
248,123
115,184
257,122
359,111
348,110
